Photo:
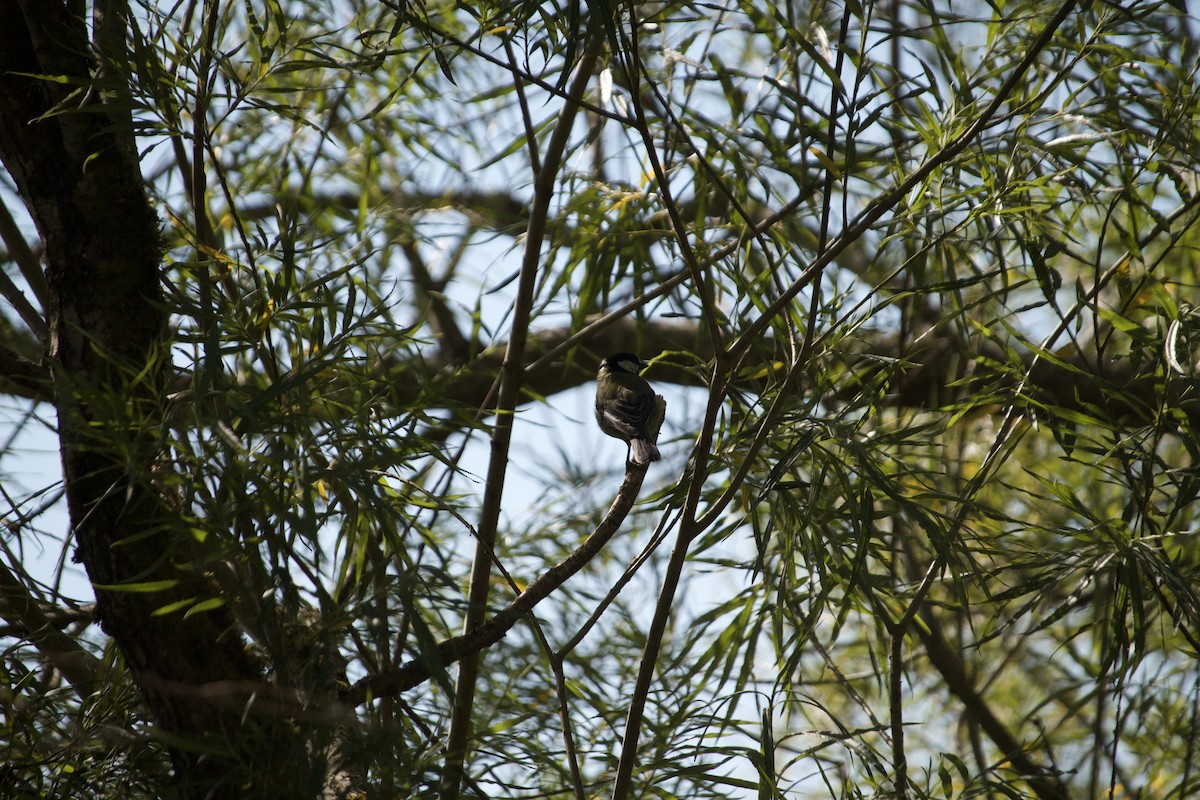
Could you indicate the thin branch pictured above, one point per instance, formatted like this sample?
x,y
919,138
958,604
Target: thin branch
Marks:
x,y
28,314
31,271
896,704
889,199
512,376
564,715
663,607
415,672
26,378
531,144
710,314
21,253
660,535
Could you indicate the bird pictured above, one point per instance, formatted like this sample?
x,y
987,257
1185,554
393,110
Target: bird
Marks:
x,y
627,407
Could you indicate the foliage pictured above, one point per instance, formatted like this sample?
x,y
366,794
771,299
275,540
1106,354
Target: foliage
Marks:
x,y
915,279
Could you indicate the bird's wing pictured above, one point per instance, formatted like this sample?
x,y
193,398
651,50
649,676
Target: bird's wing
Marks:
x,y
620,425
637,408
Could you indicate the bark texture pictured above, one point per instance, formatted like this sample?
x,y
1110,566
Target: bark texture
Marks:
x,y
70,152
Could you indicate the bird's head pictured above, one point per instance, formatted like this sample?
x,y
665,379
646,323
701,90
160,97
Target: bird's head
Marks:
x,y
626,363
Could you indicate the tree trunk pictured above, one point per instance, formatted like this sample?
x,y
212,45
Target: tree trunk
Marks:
x,y
71,155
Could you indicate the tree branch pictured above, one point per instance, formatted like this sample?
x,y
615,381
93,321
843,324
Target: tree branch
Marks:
x,y
61,651
420,669
512,379
948,663
25,378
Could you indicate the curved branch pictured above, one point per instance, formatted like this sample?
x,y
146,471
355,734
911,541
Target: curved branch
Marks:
x,y
286,701
422,668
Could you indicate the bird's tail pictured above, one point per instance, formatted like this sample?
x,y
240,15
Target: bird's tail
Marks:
x,y
642,452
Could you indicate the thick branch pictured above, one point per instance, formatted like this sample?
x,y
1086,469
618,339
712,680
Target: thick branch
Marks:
x,y
934,370
31,621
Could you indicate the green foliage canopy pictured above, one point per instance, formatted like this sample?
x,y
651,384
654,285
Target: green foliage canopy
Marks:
x,y
310,295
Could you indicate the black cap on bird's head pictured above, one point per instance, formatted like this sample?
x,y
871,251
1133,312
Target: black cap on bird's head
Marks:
x,y
623,362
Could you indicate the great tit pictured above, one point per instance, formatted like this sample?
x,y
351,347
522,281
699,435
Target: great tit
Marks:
x,y
627,408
